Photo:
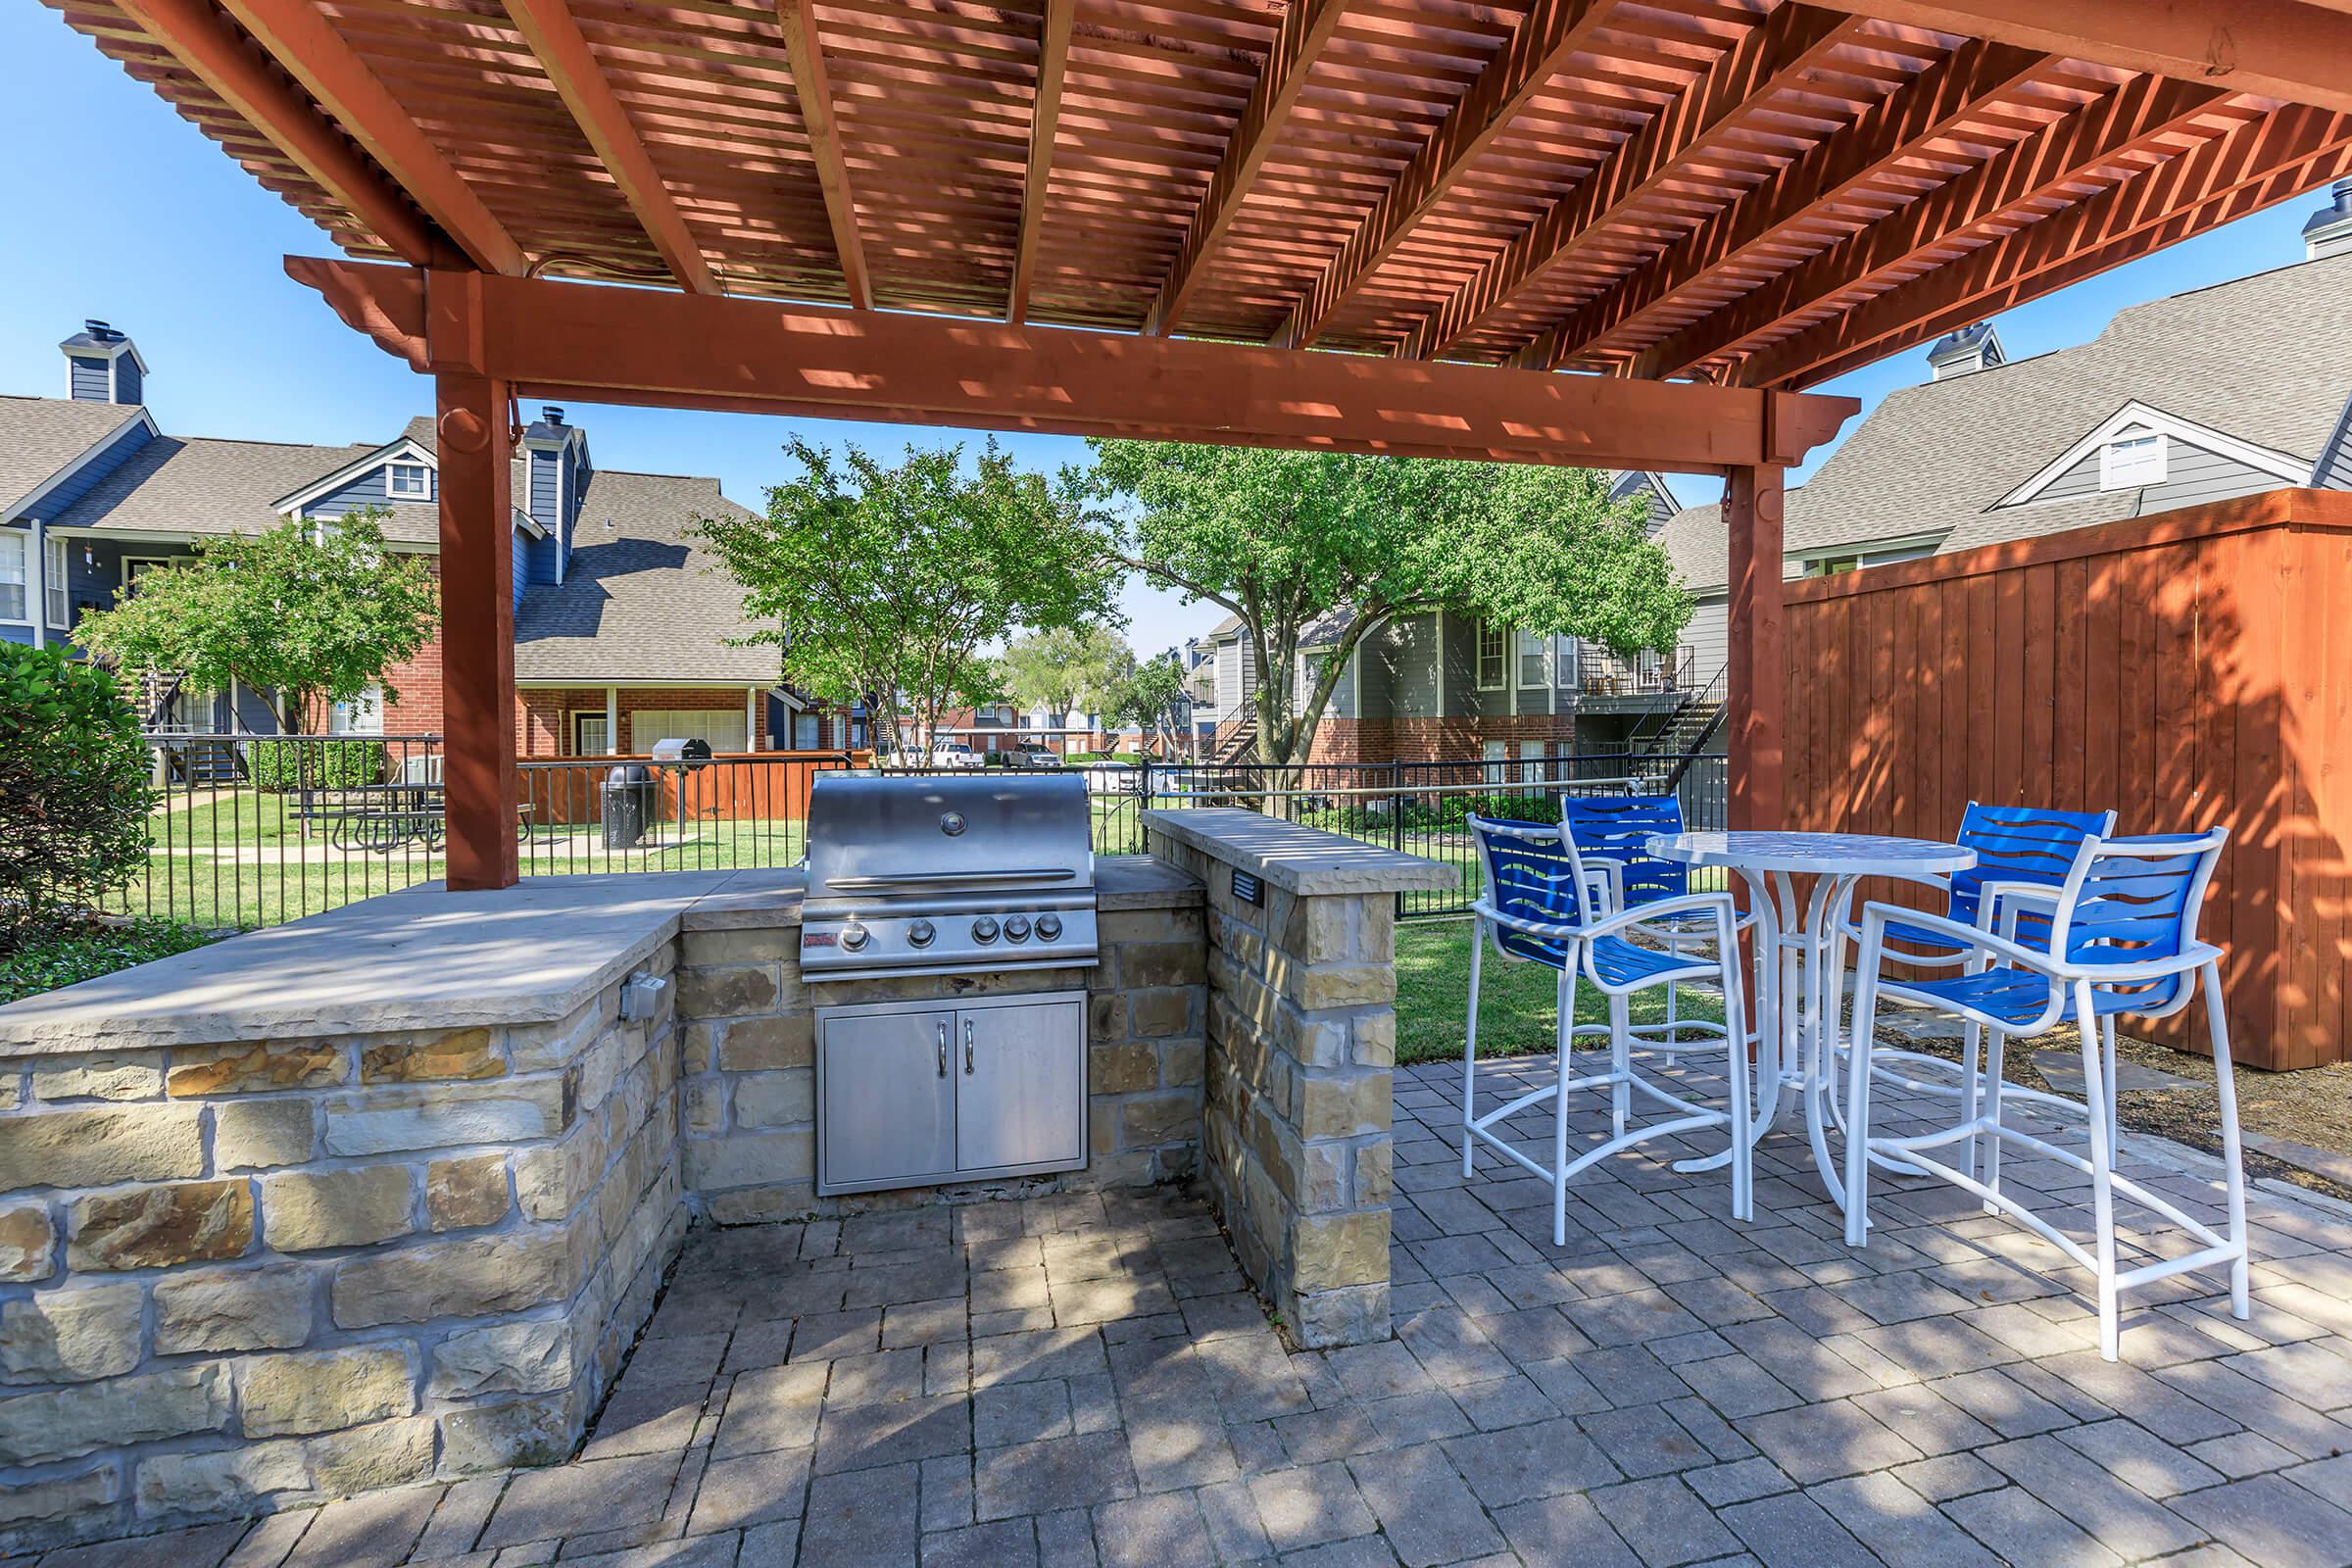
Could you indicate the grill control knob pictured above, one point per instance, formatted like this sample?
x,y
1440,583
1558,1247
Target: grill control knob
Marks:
x,y
1049,926
853,938
1017,929
984,929
921,932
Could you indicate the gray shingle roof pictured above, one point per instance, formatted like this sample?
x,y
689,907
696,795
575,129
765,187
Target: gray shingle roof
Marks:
x,y
39,436
640,601
2267,358
196,484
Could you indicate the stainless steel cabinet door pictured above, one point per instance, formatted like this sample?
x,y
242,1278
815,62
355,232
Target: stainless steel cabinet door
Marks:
x,y
889,1113
1020,1086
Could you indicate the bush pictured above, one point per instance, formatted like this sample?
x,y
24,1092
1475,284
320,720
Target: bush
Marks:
x,y
328,764
73,791
47,960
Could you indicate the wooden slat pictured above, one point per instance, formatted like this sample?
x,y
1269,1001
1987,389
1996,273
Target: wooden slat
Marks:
x,y
1549,32
555,38
1045,124
814,88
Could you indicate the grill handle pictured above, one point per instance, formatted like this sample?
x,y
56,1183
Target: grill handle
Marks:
x,y
948,879
943,1047
968,1047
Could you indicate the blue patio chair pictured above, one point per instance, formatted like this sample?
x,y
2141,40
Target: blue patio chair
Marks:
x,y
1546,903
1611,834
2022,852
2119,936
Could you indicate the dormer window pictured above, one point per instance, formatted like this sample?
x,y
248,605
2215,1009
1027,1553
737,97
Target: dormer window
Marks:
x,y
2133,458
409,481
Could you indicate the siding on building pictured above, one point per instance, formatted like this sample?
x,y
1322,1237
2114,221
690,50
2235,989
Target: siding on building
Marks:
x,y
1708,636
87,380
369,489
2192,476
102,461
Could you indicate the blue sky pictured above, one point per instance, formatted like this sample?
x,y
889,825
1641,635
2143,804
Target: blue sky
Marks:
x,y
118,209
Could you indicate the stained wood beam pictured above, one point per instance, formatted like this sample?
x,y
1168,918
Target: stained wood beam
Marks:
x,y
1307,27
1551,31
209,48
1045,120
654,346
2135,115
2280,48
555,38
2266,161
299,37
813,86
1788,49
1756,675
1897,127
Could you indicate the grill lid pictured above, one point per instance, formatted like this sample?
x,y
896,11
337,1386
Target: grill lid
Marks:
x,y
876,836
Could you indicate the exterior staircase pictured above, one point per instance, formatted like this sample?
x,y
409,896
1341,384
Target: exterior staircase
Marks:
x,y
1686,729
1235,743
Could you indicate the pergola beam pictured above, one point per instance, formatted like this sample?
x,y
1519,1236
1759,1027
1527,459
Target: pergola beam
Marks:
x,y
562,49
2135,117
2278,48
1899,126
1551,31
2266,161
209,48
1307,27
1045,120
300,39
652,346
1786,50
813,87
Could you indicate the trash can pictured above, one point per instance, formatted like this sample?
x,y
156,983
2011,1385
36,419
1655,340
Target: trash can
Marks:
x,y
628,804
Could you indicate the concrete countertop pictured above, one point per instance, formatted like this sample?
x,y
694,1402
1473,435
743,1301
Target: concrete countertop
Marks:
x,y
1304,860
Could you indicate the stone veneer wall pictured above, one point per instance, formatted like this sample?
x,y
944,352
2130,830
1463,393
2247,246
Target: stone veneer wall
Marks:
x,y
750,1048
1301,1050
234,1277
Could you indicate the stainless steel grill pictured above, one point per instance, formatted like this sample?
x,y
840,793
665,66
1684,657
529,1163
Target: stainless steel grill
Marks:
x,y
936,875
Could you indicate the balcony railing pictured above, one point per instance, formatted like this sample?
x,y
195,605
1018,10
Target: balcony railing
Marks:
x,y
1603,673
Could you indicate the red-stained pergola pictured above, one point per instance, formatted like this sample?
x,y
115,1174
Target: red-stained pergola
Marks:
x,y
1363,225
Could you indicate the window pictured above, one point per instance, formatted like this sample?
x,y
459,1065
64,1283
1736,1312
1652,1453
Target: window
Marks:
x,y
362,714
722,727
2134,457
588,737
1563,662
1492,673
410,481
804,732
56,583
1831,565
1497,754
12,575
1535,664
1531,761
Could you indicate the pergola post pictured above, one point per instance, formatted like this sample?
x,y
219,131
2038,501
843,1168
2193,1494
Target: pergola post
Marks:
x,y
477,628
1757,677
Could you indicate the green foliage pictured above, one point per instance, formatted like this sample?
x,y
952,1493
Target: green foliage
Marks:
x,y
1151,698
73,786
884,583
316,764
46,960
1065,669
317,613
1284,538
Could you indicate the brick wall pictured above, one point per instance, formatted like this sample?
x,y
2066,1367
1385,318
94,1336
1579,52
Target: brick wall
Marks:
x,y
1436,740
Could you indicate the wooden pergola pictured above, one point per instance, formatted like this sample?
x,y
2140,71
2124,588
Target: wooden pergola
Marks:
x,y
1621,233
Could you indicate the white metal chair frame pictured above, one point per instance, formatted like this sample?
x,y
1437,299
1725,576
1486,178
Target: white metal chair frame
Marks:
x,y
1581,943
2074,982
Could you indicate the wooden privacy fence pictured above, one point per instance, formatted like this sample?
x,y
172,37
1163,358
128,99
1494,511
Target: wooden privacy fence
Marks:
x,y
2186,669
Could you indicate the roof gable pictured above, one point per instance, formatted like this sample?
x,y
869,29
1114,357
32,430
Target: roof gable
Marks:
x,y
403,450
45,441
2137,417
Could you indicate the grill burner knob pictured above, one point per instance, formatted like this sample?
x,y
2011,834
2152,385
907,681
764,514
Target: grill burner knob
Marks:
x,y
853,938
921,932
1017,929
1049,926
984,929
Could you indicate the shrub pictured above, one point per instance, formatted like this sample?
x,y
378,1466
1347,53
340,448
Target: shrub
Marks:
x,y
74,789
328,764
46,960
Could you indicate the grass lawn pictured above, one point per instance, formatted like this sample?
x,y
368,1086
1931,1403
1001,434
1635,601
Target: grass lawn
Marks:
x,y
1517,1007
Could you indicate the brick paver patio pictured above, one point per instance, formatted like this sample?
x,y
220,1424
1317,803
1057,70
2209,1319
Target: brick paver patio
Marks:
x,y
1081,1380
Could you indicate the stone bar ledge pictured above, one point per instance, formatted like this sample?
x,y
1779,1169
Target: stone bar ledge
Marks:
x,y
1302,860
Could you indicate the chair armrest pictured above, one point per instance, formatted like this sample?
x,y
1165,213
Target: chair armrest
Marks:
x,y
1719,904
1608,880
1992,895
1550,930
1874,918
2196,953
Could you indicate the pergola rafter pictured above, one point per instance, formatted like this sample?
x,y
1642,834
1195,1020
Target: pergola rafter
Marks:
x,y
1045,122
812,84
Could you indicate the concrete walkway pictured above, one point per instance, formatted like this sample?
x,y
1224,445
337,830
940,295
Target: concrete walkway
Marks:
x,y
1074,1381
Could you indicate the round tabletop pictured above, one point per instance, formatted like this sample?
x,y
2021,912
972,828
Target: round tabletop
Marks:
x,y
1829,854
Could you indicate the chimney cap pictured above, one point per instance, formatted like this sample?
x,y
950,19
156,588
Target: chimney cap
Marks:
x,y
551,413
1976,347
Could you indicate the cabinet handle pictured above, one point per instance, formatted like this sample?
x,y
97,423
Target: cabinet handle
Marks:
x,y
968,1047
943,1047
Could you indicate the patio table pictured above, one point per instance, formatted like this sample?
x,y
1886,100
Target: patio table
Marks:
x,y
1792,1042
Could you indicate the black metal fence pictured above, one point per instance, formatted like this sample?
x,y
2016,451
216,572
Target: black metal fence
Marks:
x,y
254,831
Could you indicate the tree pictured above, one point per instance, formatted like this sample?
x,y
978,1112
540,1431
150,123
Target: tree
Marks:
x,y
74,792
1284,538
1066,670
315,612
885,583
1152,699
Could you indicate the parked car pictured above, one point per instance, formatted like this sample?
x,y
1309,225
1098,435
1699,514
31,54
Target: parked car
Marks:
x,y
1113,778
1034,754
954,754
